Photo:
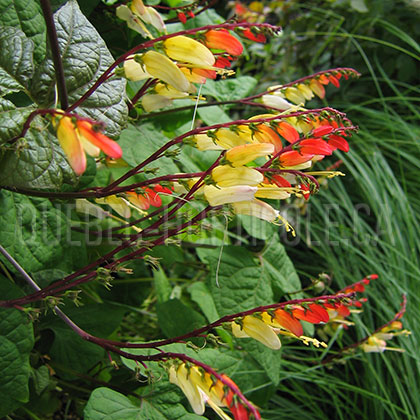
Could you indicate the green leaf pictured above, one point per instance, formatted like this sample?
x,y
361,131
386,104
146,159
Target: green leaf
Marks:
x,y
16,68
213,115
162,285
68,346
37,162
11,119
27,16
161,404
176,318
106,404
85,57
201,295
257,228
279,270
36,234
239,283
138,143
16,342
229,89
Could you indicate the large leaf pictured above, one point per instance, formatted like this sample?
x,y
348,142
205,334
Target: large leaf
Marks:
x,y
12,119
163,404
26,15
68,346
16,342
138,143
16,60
38,163
85,57
237,283
36,234
280,270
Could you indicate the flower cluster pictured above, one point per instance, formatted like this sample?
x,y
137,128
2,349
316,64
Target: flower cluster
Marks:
x,y
200,387
77,136
182,62
289,143
285,96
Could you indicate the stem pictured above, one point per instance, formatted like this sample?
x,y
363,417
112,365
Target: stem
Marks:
x,y
55,51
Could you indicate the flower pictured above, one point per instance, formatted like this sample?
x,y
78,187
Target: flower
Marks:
x,y
251,326
256,208
200,387
222,40
161,67
187,50
226,176
77,136
218,196
241,155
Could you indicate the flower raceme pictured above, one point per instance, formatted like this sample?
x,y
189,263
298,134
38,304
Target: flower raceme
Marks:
x,y
201,388
77,136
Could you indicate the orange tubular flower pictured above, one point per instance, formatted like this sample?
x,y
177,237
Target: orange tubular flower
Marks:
x,y
315,147
294,158
287,131
288,322
314,313
223,40
80,137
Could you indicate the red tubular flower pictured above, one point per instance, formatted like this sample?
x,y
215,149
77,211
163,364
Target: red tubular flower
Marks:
x,y
314,313
260,37
191,15
108,146
182,17
293,158
287,131
279,181
334,81
222,40
222,62
338,142
305,191
323,79
288,322
315,146
322,131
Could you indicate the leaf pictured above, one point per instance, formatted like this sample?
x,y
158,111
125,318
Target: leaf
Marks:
x,y
27,16
11,119
85,57
162,285
257,228
201,295
38,162
279,270
213,115
15,69
138,143
242,284
68,346
229,89
106,404
36,234
176,318
16,342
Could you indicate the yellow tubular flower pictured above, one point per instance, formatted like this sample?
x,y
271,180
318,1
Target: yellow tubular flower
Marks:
x,y
134,71
183,378
241,155
276,101
218,196
152,102
294,95
272,192
256,208
118,204
305,91
187,50
163,68
257,329
226,176
228,139
204,142
170,92
70,143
